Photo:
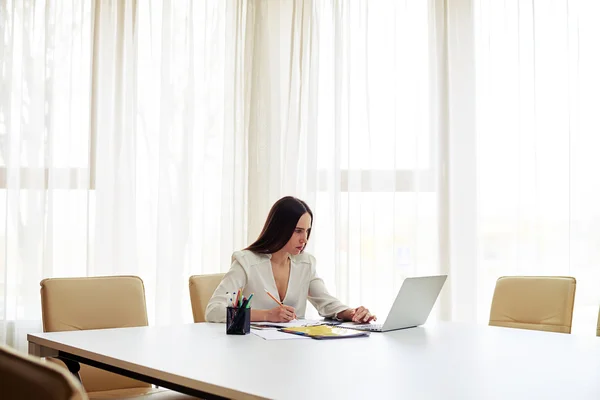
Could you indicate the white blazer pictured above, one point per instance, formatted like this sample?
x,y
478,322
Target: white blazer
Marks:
x,y
253,273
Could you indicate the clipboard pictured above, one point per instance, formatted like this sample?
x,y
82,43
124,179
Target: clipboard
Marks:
x,y
321,332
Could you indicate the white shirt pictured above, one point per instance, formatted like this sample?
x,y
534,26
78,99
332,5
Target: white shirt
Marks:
x,y
253,273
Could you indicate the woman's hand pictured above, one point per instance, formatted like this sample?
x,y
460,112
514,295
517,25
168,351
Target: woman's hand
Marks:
x,y
281,314
359,315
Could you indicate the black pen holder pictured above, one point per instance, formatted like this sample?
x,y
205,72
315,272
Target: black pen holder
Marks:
x,y
238,321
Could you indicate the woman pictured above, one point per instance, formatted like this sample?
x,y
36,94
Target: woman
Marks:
x,y
276,261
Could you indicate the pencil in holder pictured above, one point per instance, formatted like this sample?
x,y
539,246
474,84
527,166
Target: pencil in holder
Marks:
x,y
238,320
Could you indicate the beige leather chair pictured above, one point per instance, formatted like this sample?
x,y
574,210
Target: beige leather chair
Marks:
x,y
202,288
540,303
98,303
26,377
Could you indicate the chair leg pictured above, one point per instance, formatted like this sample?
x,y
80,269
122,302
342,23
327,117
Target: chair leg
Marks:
x,y
73,366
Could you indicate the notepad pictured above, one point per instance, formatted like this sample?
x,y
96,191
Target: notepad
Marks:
x,y
325,332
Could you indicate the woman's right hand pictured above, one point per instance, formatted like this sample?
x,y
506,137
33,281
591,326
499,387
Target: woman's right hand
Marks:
x,y
281,314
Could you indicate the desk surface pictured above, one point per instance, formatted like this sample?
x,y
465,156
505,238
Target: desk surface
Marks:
x,y
444,361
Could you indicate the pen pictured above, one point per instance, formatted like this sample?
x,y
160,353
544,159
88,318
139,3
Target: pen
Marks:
x,y
239,297
244,304
249,298
274,299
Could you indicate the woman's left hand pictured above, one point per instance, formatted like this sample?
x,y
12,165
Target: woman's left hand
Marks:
x,y
359,315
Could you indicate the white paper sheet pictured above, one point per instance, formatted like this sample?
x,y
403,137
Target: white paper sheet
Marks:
x,y
292,324
274,334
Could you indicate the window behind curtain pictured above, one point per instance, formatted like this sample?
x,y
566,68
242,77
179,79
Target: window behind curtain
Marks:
x,y
45,67
376,201
538,135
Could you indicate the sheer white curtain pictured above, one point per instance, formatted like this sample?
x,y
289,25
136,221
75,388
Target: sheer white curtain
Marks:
x,y
45,60
150,137
346,115
164,130
170,143
122,147
537,66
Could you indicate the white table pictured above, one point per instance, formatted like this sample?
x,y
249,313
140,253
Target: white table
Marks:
x,y
444,361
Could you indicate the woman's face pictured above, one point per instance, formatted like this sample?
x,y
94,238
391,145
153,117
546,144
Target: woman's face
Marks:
x,y
300,236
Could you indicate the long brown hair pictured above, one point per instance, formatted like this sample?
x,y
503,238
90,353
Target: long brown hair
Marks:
x,y
280,225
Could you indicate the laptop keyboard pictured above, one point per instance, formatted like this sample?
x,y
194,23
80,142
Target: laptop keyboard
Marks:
x,y
365,327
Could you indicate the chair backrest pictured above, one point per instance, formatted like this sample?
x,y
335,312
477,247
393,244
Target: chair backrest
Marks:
x,y
202,288
95,303
543,303
27,377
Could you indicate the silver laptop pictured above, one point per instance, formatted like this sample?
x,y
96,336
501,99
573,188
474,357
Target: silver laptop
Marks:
x,y
412,306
